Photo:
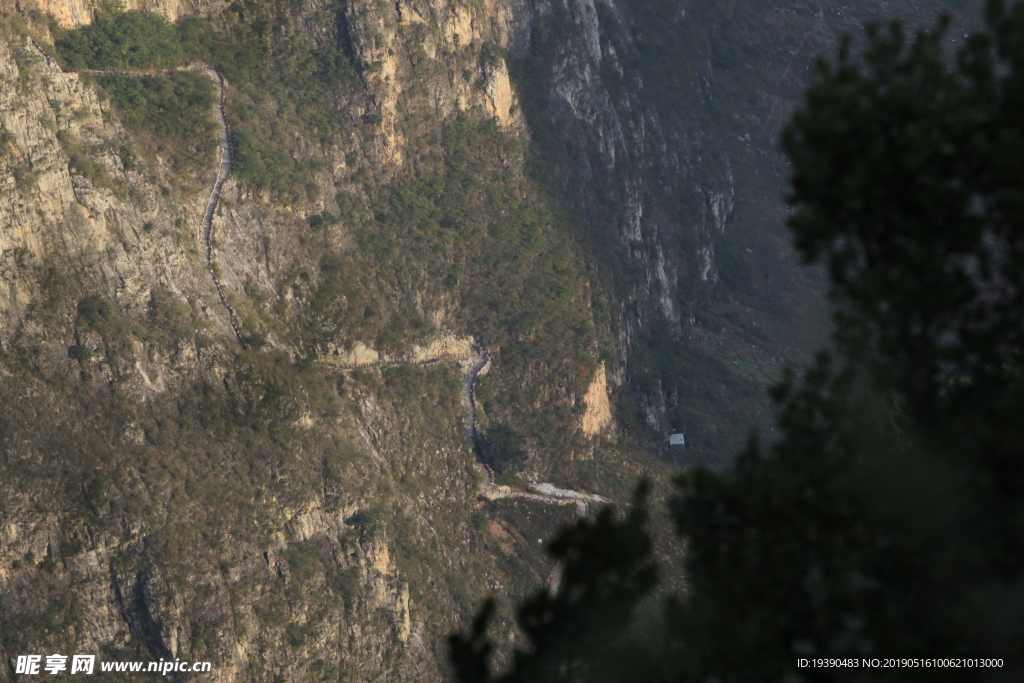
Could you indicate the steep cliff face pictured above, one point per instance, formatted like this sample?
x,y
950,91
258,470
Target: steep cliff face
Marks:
x,y
64,230
659,122
556,223
169,493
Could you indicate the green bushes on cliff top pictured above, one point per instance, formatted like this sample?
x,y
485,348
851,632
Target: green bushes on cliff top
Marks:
x,y
176,109
267,105
134,40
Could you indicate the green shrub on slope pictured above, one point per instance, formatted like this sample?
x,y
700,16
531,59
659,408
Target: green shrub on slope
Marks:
x,y
177,110
133,40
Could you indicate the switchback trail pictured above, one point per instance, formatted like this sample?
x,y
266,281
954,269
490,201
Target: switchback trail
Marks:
x,y
223,165
475,362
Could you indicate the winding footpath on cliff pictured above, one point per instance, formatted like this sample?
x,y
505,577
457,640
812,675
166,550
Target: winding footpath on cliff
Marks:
x,y
223,164
475,361
223,171
469,354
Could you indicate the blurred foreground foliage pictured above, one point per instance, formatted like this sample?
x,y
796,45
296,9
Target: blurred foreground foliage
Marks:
x,y
888,517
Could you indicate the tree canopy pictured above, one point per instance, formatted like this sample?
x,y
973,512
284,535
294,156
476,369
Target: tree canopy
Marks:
x,y
888,517
136,40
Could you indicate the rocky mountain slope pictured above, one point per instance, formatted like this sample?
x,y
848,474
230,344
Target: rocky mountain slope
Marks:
x,y
242,437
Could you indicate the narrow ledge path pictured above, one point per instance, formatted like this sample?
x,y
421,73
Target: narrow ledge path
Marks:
x,y
476,364
223,165
223,171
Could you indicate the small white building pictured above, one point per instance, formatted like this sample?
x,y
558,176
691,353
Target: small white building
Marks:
x,y
677,440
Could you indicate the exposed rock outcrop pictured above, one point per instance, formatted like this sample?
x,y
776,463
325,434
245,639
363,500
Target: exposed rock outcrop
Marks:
x,y
597,419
